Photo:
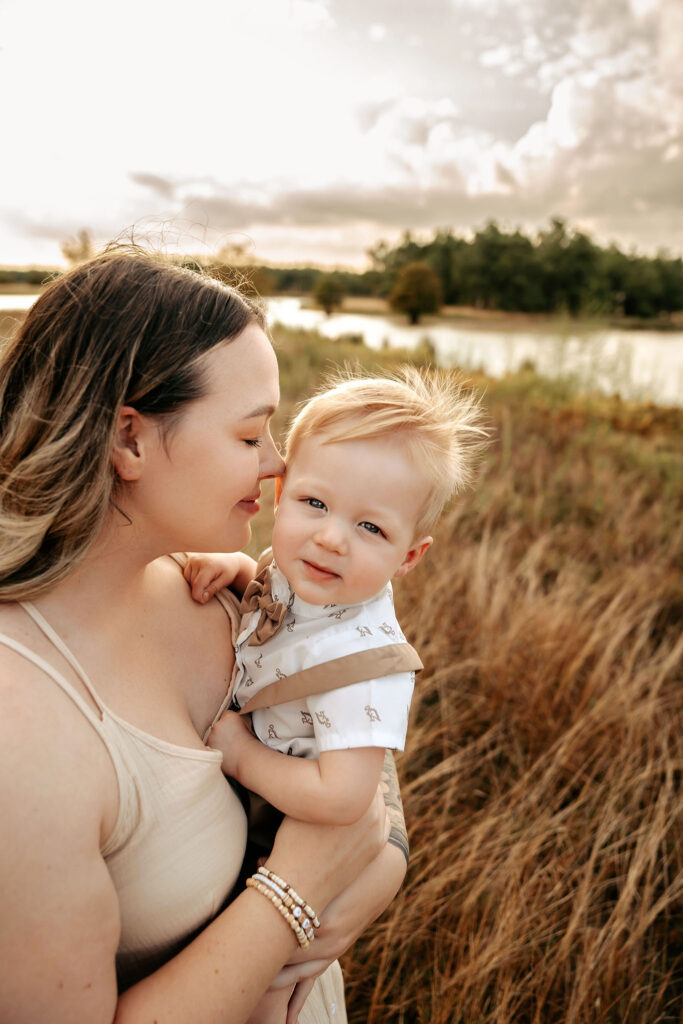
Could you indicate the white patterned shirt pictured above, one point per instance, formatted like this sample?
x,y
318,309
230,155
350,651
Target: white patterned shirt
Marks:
x,y
372,713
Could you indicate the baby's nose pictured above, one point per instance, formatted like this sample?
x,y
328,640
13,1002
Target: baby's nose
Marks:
x,y
332,536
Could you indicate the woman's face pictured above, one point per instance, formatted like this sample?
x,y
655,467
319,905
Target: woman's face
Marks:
x,y
199,491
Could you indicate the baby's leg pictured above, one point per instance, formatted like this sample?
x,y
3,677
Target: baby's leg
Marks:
x,y
273,1007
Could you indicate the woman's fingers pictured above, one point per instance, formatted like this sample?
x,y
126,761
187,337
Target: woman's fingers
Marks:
x,y
322,860
292,973
299,997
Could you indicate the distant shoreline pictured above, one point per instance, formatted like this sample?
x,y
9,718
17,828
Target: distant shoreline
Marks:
x,y
465,316
502,319
19,288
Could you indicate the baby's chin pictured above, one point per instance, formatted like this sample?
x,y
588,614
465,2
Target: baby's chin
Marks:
x,y
338,596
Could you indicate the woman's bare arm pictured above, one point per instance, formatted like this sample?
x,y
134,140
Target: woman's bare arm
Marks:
x,y
60,924
365,899
217,977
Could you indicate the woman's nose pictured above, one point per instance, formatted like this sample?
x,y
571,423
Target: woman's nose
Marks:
x,y
272,463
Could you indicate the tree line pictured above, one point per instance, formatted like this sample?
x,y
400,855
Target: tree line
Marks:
x,y
558,271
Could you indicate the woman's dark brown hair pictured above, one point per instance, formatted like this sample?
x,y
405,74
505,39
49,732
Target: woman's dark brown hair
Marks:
x,y
127,328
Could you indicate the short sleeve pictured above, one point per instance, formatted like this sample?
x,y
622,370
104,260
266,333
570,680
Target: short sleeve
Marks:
x,y
373,713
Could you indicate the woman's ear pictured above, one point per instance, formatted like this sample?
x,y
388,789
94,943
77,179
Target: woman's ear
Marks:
x,y
413,557
127,454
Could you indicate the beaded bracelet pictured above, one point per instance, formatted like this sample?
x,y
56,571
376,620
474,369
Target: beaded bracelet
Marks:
x,y
295,896
296,910
301,936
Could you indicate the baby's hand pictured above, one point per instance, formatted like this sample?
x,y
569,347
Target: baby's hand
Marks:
x,y
207,574
232,736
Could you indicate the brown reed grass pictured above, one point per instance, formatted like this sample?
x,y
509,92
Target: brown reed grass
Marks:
x,y
541,781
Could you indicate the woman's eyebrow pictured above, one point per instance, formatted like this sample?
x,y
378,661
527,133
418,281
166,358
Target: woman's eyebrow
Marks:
x,y
263,410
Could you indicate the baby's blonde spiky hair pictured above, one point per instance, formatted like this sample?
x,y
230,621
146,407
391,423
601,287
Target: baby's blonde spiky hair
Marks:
x,y
435,412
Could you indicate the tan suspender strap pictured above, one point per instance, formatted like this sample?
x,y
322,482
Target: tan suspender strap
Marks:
x,y
332,675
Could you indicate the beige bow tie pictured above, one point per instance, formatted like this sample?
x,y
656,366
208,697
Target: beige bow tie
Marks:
x,y
258,596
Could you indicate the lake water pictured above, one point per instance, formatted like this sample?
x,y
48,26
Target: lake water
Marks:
x,y
637,364
14,303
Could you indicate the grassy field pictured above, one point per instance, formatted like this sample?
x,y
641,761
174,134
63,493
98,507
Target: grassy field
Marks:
x,y
542,778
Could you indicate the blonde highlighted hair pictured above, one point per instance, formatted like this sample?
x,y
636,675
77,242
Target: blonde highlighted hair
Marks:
x,y
434,413
127,328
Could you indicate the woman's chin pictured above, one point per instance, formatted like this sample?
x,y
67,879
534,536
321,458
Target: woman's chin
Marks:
x,y
239,538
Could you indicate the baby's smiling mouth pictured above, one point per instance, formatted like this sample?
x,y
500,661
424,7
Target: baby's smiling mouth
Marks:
x,y
320,571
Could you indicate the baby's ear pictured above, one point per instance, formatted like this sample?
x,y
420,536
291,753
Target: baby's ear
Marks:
x,y
278,490
413,557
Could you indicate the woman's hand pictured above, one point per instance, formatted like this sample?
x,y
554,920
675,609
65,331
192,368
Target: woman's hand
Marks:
x,y
320,861
366,898
347,917
299,996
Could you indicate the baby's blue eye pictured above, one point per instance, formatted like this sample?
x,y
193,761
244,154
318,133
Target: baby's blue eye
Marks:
x,y
316,503
371,528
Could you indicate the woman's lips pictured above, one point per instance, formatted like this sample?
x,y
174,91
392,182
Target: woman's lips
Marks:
x,y
250,505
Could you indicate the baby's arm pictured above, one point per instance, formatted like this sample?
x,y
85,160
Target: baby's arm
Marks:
x,y
209,573
335,790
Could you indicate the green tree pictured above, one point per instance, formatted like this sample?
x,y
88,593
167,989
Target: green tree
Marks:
x,y
643,293
417,291
328,292
670,273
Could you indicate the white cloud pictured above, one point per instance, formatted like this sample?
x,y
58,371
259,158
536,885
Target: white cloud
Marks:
x,y
643,8
498,57
468,108
311,14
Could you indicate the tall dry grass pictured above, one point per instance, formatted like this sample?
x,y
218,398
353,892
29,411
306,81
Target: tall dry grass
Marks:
x,y
542,777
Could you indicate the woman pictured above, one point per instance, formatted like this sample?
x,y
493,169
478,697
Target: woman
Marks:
x,y
135,408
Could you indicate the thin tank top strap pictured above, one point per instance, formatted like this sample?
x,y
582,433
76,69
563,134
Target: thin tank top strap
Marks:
x,y
45,628
56,676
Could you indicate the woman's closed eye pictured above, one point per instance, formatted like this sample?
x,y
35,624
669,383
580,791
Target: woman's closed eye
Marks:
x,y
253,442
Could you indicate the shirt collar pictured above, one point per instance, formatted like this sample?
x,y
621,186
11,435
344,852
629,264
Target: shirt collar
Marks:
x,y
281,590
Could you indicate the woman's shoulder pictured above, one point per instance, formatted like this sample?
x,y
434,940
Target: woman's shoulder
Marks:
x,y
43,724
22,649
223,611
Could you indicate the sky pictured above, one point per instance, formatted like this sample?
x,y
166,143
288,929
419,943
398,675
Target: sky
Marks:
x,y
308,130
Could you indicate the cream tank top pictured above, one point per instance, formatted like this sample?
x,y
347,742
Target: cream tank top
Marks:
x,y
177,847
